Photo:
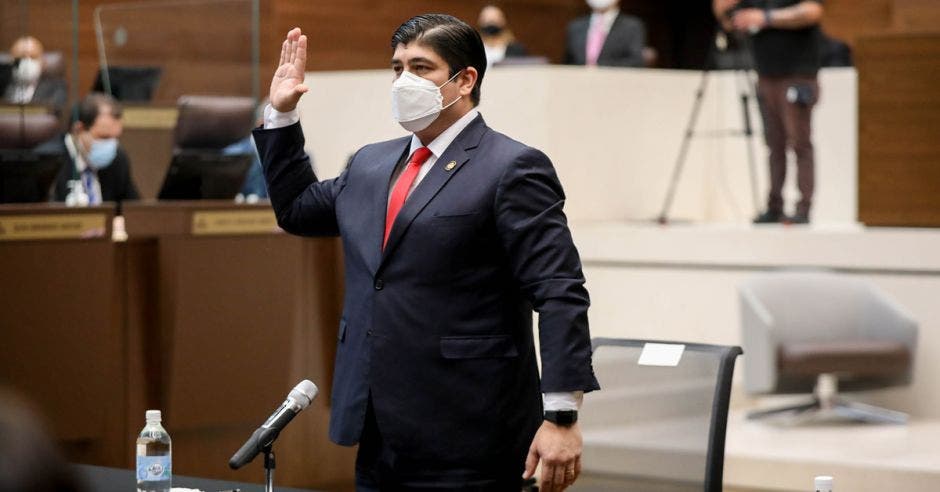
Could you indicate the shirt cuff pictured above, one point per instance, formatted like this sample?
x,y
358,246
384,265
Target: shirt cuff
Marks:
x,y
276,119
562,400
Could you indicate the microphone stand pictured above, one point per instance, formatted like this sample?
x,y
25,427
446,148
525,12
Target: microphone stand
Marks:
x,y
268,468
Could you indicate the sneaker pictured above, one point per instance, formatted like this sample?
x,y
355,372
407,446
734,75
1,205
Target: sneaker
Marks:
x,y
798,219
769,217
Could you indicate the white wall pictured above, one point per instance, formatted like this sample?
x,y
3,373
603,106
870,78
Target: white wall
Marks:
x,y
613,134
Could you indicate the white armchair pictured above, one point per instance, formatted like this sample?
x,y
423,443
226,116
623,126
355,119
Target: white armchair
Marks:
x,y
812,331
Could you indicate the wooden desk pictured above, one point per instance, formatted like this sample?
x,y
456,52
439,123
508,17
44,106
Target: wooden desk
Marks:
x,y
207,312
61,318
227,314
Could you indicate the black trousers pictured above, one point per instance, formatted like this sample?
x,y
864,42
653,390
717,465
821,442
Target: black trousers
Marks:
x,y
375,473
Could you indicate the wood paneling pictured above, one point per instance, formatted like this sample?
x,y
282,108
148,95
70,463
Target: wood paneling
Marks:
x,y
354,34
916,15
898,114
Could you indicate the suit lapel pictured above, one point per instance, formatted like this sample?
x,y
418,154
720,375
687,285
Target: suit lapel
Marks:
x,y
456,155
382,183
610,40
580,43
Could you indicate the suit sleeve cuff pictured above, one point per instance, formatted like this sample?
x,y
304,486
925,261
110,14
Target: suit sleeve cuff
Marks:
x,y
562,400
276,119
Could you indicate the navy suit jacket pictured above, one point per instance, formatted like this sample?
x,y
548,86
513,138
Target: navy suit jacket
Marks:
x,y
437,327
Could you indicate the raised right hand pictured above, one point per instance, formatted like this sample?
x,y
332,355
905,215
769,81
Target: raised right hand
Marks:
x,y
288,83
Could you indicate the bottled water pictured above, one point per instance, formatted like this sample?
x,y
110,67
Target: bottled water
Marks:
x,y
154,469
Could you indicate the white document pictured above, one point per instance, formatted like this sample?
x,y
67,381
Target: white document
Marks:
x,y
661,354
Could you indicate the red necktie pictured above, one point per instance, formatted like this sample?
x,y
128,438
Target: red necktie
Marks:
x,y
400,191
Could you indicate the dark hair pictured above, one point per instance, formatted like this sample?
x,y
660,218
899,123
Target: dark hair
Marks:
x,y
451,38
88,109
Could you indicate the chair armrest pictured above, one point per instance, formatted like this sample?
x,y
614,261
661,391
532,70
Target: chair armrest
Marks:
x,y
759,343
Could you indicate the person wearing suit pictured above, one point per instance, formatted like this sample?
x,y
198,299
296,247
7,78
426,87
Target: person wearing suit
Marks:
x,y
498,40
606,37
96,168
31,82
452,236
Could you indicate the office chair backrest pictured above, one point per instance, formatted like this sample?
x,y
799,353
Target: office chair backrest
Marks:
x,y
213,122
25,131
811,305
659,427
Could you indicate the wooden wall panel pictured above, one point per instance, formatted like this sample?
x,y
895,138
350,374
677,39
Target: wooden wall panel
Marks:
x,y
916,15
354,34
850,19
898,114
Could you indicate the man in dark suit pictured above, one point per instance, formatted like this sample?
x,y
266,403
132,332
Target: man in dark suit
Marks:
x,y
32,81
452,236
607,37
96,167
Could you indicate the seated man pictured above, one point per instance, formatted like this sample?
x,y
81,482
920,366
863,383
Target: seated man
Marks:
x,y
97,169
498,41
31,84
607,37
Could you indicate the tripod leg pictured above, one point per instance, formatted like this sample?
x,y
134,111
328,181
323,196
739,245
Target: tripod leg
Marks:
x,y
746,96
684,148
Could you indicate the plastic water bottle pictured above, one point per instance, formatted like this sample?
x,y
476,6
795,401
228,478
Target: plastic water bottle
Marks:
x,y
823,484
154,458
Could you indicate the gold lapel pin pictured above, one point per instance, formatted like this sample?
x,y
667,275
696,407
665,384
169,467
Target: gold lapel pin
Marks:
x,y
450,165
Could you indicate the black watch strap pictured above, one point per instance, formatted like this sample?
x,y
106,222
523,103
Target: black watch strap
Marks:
x,y
564,418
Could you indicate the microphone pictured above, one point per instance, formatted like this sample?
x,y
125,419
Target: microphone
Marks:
x,y
298,399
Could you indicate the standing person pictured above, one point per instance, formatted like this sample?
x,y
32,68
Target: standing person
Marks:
x,y
607,37
97,169
498,40
452,236
786,51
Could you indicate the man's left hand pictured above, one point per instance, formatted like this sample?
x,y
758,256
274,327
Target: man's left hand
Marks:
x,y
749,20
559,449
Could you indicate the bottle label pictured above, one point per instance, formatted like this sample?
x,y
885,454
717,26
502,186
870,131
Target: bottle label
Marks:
x,y
153,468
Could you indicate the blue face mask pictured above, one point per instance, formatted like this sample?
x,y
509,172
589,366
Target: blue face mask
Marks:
x,y
102,153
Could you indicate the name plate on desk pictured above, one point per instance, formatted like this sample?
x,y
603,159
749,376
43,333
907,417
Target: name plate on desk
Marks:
x,y
58,226
209,222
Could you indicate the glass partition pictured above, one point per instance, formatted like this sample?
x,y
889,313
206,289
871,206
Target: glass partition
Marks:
x,y
156,51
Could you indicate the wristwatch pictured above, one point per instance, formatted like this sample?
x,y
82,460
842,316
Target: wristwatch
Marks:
x,y
563,418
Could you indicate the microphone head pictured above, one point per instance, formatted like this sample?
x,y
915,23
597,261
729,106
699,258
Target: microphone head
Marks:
x,y
303,393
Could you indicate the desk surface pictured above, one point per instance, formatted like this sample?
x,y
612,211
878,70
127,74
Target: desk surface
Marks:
x,y
103,479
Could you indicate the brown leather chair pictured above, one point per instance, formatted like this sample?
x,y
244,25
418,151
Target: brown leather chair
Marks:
x,y
213,122
25,131
815,332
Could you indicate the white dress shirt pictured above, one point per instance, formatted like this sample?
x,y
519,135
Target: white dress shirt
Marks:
x,y
86,190
276,119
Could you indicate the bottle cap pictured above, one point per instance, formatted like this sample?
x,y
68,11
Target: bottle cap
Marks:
x,y
154,415
824,483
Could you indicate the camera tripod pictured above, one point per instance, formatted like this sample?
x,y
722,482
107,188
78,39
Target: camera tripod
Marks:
x,y
745,85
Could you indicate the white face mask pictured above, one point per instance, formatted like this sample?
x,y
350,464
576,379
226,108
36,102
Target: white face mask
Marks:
x,y
28,71
600,4
417,102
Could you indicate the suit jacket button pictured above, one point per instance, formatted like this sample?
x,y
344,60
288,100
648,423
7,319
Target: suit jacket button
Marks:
x,y
379,284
